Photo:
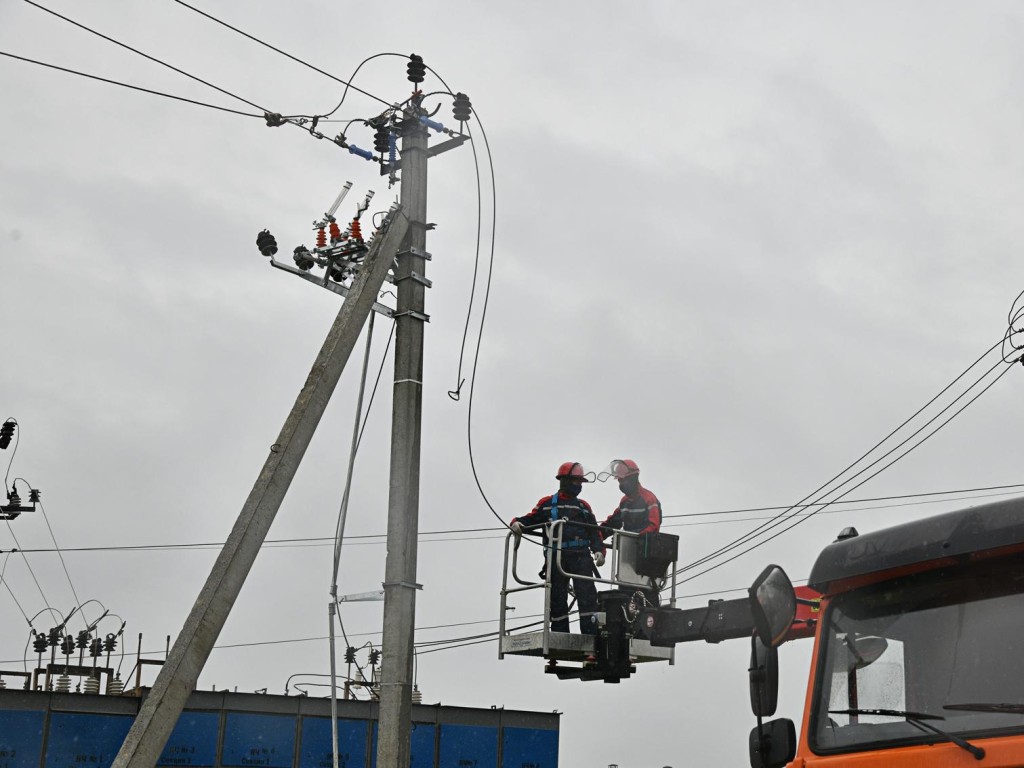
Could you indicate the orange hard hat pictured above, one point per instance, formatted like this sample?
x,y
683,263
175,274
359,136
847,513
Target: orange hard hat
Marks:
x,y
572,470
623,468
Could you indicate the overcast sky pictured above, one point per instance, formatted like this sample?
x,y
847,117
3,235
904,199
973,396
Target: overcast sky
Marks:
x,y
736,242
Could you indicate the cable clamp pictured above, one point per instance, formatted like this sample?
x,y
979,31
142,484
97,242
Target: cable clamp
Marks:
x,y
406,584
408,381
417,277
414,251
413,314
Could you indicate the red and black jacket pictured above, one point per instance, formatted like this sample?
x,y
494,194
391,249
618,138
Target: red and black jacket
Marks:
x,y
637,514
573,510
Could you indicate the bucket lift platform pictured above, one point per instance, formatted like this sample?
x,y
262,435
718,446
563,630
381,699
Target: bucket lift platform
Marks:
x,y
638,566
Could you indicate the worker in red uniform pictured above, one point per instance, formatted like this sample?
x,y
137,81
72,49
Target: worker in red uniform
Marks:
x,y
639,510
581,547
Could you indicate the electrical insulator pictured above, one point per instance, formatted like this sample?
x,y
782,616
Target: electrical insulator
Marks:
x,y
357,231
363,153
95,647
39,644
114,685
82,640
303,258
416,69
321,238
91,685
335,232
350,655
382,139
417,695
338,273
432,124
461,108
13,499
63,684
53,637
374,657
6,433
67,645
110,643
33,495
266,243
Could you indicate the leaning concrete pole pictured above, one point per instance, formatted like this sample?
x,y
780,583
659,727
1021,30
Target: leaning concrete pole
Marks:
x,y
178,676
404,496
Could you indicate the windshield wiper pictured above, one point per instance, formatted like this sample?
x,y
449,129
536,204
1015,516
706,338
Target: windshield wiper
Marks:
x,y
1007,709
916,719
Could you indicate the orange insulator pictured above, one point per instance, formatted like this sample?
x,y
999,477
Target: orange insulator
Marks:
x,y
335,232
357,232
321,238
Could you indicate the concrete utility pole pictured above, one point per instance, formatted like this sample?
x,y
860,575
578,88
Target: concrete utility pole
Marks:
x,y
400,585
178,676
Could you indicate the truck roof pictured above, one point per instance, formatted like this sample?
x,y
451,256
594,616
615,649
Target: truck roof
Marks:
x,y
931,542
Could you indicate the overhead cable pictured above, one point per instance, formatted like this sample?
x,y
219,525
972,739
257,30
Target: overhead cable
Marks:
x,y
145,55
781,517
376,538
132,87
862,482
283,53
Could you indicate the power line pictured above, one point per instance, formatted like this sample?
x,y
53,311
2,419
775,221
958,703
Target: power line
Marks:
x,y
132,87
64,565
376,538
283,53
782,516
869,477
145,55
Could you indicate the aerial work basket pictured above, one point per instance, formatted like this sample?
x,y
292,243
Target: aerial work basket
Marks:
x,y
639,570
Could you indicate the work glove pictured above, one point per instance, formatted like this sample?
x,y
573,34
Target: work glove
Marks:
x,y
599,559
517,528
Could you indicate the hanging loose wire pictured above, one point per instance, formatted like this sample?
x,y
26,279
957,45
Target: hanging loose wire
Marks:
x,y
483,311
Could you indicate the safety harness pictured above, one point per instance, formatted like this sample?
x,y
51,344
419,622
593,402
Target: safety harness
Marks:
x,y
574,543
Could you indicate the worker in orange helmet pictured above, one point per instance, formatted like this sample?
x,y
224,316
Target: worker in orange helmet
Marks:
x,y
580,541
639,510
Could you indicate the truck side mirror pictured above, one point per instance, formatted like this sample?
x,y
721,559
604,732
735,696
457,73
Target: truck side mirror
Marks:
x,y
764,678
773,744
773,605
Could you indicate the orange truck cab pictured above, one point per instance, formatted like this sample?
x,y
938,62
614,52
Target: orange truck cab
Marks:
x,y
919,646
919,650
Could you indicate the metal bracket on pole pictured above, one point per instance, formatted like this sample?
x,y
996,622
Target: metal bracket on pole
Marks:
x,y
406,584
414,251
417,277
413,314
341,290
362,597
435,150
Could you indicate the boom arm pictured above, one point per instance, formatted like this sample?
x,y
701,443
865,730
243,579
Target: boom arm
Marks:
x,y
723,620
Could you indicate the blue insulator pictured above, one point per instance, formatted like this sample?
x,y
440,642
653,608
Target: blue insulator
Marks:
x,y
363,153
392,148
432,124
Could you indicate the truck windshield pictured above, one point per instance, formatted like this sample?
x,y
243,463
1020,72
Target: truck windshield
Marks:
x,y
941,647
